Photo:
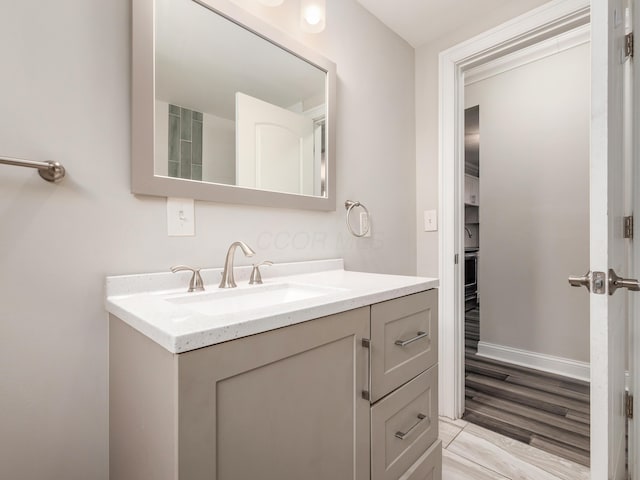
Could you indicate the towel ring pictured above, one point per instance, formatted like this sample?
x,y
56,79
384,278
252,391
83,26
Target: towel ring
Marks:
x,y
349,205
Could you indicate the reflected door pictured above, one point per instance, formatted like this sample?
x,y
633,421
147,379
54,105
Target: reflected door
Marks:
x,y
274,147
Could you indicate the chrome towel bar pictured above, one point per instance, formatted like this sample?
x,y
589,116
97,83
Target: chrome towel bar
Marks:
x,y
50,171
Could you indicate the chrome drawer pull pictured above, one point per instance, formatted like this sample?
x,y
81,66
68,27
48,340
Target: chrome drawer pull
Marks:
x,y
404,343
404,435
366,393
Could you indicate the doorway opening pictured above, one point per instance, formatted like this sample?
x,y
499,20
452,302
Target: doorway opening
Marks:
x,y
608,181
540,24
526,218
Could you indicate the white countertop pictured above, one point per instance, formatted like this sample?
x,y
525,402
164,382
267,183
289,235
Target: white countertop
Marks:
x,y
158,306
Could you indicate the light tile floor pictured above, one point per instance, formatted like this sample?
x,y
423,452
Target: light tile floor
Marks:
x,y
471,452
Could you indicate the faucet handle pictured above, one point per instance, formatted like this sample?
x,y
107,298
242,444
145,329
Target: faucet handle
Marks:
x,y
255,273
195,284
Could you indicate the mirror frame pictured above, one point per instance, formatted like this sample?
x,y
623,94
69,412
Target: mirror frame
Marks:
x,y
143,178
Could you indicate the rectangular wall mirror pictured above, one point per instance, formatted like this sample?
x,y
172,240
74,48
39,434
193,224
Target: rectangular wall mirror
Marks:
x,y
229,109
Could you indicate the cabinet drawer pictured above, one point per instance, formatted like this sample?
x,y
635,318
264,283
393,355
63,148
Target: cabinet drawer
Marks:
x,y
428,466
404,340
403,426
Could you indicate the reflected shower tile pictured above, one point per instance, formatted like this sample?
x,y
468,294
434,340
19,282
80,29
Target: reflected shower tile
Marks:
x,y
197,116
174,138
185,124
185,159
196,143
174,169
174,110
196,172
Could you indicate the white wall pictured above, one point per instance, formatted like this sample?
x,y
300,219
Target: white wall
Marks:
x,y
218,149
427,139
66,96
534,209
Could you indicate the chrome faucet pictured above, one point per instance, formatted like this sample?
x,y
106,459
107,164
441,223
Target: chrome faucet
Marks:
x,y
195,284
227,274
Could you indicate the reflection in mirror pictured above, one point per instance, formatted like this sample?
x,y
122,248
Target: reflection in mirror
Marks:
x,y
234,109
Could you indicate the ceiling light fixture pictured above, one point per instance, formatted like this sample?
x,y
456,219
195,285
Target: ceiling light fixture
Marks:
x,y
312,15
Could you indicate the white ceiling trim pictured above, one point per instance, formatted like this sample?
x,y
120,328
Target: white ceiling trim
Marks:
x,y
538,51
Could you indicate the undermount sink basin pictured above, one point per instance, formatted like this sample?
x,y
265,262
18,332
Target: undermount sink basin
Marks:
x,y
223,301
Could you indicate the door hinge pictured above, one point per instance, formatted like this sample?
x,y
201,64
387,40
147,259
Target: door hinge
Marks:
x,y
455,259
628,45
628,227
628,405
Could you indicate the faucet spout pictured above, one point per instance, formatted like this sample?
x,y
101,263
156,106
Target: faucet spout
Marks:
x,y
227,274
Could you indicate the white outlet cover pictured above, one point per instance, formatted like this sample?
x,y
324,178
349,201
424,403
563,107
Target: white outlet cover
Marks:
x,y
181,219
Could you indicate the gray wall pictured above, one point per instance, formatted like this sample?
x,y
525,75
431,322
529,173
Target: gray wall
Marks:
x,y
534,208
66,96
427,90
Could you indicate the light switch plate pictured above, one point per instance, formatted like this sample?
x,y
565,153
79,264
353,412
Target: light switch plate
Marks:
x,y
430,220
181,220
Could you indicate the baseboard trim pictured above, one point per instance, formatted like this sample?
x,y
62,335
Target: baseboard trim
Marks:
x,y
539,361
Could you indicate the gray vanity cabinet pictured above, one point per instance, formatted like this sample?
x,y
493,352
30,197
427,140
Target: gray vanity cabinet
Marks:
x,y
309,401
284,404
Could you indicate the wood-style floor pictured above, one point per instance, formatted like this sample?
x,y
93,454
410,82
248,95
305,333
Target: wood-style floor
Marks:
x,y
471,452
546,411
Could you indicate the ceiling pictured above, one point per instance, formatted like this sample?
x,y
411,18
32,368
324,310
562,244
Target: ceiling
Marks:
x,y
421,21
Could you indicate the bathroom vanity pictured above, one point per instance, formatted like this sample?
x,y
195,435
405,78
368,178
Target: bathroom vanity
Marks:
x,y
319,373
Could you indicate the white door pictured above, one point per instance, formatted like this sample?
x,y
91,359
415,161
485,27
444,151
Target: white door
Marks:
x,y
274,147
634,324
608,248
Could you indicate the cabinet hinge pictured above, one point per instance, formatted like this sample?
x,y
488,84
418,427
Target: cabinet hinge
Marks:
x,y
628,227
628,45
628,405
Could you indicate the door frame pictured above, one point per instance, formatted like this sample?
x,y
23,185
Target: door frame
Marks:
x,y
537,25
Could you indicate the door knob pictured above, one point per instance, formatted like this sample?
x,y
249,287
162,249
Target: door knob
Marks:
x,y
583,281
616,282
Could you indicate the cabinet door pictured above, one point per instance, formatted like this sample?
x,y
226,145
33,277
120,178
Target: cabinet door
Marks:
x,y
285,404
404,340
471,190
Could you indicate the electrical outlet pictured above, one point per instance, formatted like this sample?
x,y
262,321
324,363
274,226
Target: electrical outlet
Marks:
x,y
181,217
365,223
430,220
